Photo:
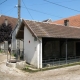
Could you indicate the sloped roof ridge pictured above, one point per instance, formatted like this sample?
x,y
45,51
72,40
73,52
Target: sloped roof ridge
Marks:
x,y
37,21
7,16
36,25
53,24
31,20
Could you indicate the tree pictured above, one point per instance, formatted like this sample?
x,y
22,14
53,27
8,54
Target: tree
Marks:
x,y
5,32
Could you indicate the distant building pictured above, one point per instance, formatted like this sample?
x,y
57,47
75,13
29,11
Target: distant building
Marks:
x,y
74,21
7,20
13,22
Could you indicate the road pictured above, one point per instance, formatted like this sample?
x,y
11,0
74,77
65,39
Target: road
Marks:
x,y
67,73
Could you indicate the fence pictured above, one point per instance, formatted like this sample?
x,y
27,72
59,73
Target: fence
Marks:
x,y
60,61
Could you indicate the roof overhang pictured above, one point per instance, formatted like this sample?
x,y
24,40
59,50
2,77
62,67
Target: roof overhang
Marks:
x,y
20,33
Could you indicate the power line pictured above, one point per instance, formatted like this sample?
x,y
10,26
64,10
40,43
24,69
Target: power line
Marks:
x,y
3,2
56,2
27,9
44,12
61,5
39,12
67,1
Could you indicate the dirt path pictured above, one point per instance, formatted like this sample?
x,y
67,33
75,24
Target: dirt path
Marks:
x,y
68,73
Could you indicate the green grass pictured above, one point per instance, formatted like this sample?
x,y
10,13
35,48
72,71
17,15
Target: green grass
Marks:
x,y
13,54
1,51
27,69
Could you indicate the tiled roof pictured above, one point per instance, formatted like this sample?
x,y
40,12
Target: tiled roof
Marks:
x,y
11,20
41,29
73,21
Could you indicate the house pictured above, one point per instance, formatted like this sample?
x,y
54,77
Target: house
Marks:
x,y
46,43
10,20
13,22
74,21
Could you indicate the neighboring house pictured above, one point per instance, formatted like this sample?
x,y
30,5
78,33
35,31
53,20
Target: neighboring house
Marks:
x,y
13,22
49,44
10,20
74,21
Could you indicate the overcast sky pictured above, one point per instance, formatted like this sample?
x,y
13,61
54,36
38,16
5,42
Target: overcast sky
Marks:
x,y
41,9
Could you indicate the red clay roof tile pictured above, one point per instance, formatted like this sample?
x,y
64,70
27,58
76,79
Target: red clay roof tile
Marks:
x,y
73,21
11,20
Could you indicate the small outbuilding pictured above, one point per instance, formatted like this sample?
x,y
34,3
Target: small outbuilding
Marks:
x,y
46,43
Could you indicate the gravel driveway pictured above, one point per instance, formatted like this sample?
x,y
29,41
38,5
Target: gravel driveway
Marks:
x,y
68,73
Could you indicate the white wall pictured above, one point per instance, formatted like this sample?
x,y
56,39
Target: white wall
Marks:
x,y
31,49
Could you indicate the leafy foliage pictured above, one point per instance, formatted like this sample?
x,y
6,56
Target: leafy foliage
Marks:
x,y
5,33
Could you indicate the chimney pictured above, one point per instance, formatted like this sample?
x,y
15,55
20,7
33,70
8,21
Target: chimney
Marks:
x,y
66,22
6,22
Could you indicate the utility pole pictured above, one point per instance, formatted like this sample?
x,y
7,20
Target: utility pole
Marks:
x,y
19,9
19,21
